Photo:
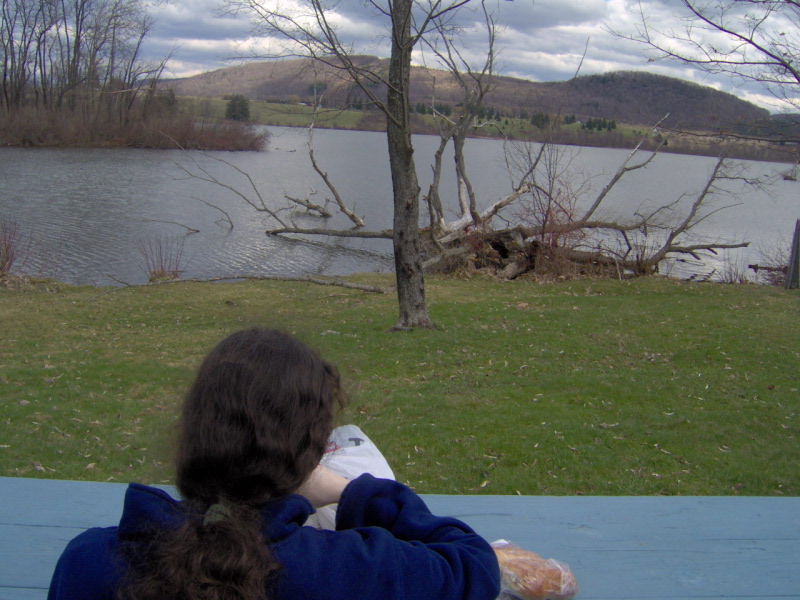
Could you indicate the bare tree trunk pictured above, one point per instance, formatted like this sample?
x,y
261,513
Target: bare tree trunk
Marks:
x,y
407,252
461,187
434,200
469,205
307,23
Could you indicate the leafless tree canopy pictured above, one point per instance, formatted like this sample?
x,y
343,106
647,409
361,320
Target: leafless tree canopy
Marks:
x,y
750,40
74,54
544,219
308,28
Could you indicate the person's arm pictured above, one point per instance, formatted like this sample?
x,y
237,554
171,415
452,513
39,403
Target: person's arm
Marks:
x,y
413,553
323,487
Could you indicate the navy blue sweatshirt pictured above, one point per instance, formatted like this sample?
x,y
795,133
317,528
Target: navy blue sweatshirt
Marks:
x,y
387,545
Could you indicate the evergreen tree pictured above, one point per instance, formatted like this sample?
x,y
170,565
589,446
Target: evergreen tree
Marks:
x,y
443,109
540,120
238,108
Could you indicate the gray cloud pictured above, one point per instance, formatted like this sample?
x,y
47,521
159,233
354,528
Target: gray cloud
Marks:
x,y
542,40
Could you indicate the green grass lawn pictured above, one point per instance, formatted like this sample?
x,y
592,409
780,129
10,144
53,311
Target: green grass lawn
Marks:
x,y
588,387
301,115
625,136
273,113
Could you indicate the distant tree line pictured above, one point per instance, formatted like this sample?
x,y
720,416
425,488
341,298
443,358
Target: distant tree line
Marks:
x,y
599,125
426,108
539,119
78,55
73,75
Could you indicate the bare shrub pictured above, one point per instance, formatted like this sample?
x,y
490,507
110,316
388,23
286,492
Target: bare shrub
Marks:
x,y
12,245
41,127
734,271
191,134
163,257
773,264
561,262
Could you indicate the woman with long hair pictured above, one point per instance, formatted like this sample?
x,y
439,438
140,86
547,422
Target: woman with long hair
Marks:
x,y
254,427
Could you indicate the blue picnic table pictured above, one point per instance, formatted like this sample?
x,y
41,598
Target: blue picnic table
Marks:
x,y
640,547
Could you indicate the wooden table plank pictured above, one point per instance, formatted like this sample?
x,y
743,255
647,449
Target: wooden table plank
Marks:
x,y
618,547
651,547
7,593
46,502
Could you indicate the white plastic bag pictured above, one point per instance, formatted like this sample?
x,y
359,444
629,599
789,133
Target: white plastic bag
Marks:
x,y
350,453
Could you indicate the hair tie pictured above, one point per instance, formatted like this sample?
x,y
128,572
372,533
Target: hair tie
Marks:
x,y
215,513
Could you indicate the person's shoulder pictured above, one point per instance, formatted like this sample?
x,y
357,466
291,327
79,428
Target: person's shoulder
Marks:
x,y
147,509
86,568
92,548
140,490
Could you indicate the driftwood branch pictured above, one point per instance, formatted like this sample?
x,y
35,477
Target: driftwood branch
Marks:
x,y
210,178
771,269
357,221
695,248
449,253
227,216
385,234
305,279
457,228
189,229
308,205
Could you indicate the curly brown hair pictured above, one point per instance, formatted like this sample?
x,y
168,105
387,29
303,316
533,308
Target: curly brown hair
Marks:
x,y
254,425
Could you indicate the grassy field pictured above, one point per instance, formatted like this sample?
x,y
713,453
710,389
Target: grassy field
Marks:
x,y
625,136
271,113
300,115
585,387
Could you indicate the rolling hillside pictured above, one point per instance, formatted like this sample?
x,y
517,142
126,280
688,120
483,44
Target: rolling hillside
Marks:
x,y
631,97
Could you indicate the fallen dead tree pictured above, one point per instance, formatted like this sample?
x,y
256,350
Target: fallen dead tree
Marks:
x,y
552,237
546,234
539,227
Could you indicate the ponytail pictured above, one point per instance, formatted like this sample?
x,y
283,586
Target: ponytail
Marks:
x,y
210,559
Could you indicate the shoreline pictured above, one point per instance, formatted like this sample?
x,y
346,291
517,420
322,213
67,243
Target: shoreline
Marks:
x,y
676,142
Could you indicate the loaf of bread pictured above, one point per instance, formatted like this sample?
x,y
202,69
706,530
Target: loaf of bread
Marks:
x,y
528,576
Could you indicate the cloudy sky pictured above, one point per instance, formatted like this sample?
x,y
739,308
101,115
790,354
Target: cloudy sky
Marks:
x,y
541,40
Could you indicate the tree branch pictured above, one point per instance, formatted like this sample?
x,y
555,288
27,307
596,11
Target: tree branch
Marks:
x,y
308,205
385,234
358,221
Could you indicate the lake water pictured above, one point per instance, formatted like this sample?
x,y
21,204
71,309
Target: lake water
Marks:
x,y
83,213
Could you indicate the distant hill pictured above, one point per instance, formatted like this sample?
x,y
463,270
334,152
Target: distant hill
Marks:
x,y
636,97
632,97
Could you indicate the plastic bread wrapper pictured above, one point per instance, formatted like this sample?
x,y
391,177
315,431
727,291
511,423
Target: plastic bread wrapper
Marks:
x,y
528,576
350,453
